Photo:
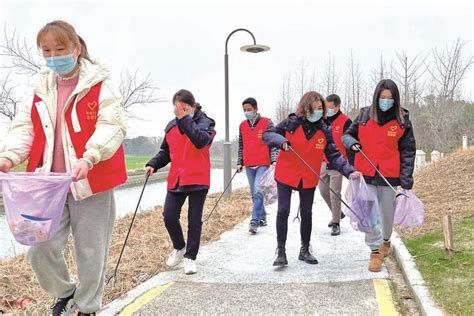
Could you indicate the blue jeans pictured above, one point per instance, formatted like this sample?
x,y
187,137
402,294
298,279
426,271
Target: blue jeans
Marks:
x,y
254,175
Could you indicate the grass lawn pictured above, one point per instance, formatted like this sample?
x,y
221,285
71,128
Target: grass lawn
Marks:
x,y
132,162
451,280
21,167
136,162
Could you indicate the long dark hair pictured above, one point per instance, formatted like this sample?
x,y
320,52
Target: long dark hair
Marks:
x,y
305,106
374,110
187,97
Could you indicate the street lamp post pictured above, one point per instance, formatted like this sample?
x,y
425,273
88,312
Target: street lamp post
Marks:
x,y
253,48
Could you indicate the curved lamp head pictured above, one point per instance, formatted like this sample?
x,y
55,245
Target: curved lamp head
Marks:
x,y
255,48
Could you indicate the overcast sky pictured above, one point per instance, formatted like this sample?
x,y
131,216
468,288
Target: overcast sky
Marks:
x,y
181,44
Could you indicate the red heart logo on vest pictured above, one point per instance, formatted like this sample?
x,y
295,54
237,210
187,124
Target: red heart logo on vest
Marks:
x,y
92,105
393,128
321,140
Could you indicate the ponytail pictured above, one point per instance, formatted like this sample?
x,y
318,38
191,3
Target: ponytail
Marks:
x,y
84,52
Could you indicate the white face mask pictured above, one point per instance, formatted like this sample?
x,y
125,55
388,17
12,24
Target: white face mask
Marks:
x,y
331,112
62,65
316,116
249,115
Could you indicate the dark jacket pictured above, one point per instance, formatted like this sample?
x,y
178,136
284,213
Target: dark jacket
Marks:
x,y
406,147
200,131
273,150
350,154
276,137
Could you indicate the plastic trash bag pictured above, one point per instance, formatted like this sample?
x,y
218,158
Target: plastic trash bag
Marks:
x,y
364,213
34,204
267,186
409,210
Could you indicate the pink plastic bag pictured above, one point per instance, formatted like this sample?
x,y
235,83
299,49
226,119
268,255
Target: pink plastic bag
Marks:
x,y
268,186
364,211
410,211
34,204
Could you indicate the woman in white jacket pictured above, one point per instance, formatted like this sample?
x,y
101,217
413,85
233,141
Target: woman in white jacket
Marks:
x,y
73,123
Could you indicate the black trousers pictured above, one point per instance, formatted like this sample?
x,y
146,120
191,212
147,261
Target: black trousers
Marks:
x,y
306,207
171,214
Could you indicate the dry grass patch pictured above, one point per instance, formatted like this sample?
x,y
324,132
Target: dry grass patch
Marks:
x,y
144,256
445,186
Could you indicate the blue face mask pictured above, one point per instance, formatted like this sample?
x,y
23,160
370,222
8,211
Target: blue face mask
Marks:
x,y
385,104
249,115
317,115
61,65
330,112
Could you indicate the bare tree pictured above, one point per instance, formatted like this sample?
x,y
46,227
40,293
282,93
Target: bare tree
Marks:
x,y
354,84
330,79
302,80
284,104
20,55
137,91
382,71
8,101
21,61
449,69
408,74
416,91
312,84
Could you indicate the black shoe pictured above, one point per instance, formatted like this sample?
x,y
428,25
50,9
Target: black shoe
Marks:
x,y
330,224
263,222
306,256
253,226
280,260
84,314
335,230
61,306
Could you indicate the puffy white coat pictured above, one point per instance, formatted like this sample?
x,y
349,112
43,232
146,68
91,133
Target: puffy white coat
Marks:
x,y
107,138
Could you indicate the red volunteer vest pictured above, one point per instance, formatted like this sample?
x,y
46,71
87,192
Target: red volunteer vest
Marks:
x,y
256,152
290,170
337,131
106,174
380,144
189,165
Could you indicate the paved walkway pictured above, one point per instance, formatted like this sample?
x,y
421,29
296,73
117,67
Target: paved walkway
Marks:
x,y
236,276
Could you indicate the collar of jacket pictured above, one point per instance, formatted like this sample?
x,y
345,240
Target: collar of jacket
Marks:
x,y
89,75
293,122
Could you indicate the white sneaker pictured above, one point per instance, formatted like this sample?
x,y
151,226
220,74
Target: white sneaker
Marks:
x,y
175,257
189,266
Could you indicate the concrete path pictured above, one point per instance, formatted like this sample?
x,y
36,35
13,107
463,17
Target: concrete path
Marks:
x,y
236,276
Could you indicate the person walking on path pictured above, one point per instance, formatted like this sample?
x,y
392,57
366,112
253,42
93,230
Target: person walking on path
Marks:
x,y
186,145
310,138
339,124
385,134
73,122
256,157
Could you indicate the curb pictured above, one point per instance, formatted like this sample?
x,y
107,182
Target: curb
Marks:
x,y
116,306
413,277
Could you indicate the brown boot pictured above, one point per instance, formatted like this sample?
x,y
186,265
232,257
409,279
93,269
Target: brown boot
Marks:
x,y
385,248
375,263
